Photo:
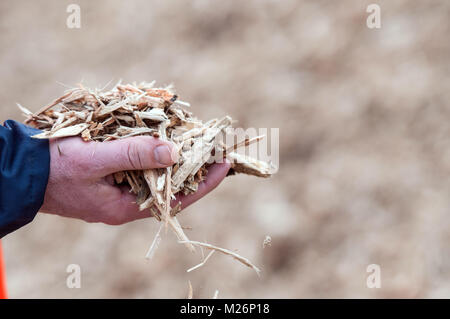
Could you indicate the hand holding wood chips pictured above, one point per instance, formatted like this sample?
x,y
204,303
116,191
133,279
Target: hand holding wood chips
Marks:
x,y
81,183
134,152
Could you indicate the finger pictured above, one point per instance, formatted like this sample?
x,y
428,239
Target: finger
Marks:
x,y
216,173
134,153
129,210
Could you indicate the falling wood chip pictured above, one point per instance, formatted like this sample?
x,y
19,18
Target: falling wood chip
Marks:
x,y
178,230
243,260
202,263
155,244
190,290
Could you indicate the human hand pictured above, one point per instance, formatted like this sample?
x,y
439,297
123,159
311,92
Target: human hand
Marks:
x,y
81,185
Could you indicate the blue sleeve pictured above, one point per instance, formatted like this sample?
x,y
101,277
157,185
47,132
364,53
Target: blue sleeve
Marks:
x,y
24,170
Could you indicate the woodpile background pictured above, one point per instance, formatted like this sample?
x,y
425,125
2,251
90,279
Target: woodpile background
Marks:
x,y
364,154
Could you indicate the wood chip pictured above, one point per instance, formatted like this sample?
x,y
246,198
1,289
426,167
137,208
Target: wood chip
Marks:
x,y
155,244
190,290
64,132
236,256
202,263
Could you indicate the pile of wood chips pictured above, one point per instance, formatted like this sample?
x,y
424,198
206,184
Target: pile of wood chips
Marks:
x,y
142,109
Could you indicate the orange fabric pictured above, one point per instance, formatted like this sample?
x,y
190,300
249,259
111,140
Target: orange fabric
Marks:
x,y
3,294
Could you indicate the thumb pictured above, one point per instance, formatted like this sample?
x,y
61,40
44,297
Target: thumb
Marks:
x,y
133,153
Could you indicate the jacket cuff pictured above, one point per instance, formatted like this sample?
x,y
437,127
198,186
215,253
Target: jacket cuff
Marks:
x,y
24,171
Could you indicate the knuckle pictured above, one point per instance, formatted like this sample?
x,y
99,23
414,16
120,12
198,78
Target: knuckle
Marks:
x,y
133,156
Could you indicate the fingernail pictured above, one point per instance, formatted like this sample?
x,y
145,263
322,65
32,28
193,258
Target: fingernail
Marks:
x,y
164,155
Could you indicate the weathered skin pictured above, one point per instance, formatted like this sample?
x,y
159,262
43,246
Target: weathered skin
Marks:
x,y
81,184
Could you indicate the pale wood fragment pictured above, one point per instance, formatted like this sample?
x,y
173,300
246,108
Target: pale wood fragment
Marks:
x,y
249,165
236,256
64,132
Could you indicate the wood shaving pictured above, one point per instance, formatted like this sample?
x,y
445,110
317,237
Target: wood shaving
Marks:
x,y
190,290
155,244
202,263
236,256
